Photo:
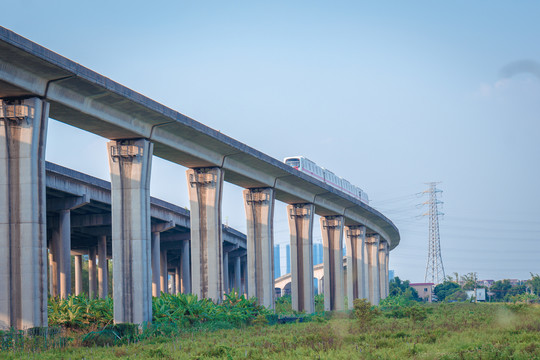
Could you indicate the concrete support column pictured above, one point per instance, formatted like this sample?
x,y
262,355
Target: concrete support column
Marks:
x,y
355,244
205,189
163,272
383,277
156,264
245,272
226,272
177,278
259,206
301,229
186,268
23,231
155,251
130,164
372,244
54,275
92,273
78,275
238,275
332,237
173,283
103,283
61,254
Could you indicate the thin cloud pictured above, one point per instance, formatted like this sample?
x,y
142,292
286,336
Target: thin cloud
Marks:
x,y
520,67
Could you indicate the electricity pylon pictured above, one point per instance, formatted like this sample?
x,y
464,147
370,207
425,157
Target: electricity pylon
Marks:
x,y
434,267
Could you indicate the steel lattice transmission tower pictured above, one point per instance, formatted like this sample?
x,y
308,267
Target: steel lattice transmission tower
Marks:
x,y
434,267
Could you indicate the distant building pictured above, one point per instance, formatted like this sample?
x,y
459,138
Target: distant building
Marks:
x,y
317,254
486,283
277,263
424,290
288,258
480,294
514,282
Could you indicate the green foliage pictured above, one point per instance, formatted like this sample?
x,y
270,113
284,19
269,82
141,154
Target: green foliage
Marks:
x,y
398,287
445,289
284,305
499,289
459,295
363,311
78,311
534,283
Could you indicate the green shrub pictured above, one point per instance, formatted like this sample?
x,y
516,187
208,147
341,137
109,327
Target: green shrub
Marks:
x,y
364,311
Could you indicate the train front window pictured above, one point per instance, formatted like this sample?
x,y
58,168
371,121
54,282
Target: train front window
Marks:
x,y
295,163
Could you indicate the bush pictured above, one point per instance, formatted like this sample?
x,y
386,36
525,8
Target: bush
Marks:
x,y
364,311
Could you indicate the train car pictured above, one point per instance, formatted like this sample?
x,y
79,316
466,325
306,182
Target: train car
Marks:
x,y
310,168
306,166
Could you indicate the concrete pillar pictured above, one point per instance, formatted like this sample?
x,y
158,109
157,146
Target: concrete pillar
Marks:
x,y
92,273
226,272
259,206
163,273
205,188
78,275
245,271
372,244
130,164
383,277
156,268
23,237
103,284
332,237
301,229
238,275
60,255
155,251
355,244
186,268
54,254
173,283
177,281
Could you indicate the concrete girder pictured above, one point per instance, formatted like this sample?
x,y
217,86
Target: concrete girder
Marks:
x,y
23,234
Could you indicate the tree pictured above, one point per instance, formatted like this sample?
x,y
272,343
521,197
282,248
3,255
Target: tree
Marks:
x,y
398,288
534,283
469,281
445,289
499,289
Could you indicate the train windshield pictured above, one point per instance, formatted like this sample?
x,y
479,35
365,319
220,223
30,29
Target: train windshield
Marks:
x,y
295,163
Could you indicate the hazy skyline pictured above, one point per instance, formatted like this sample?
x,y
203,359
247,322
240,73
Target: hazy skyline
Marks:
x,y
389,96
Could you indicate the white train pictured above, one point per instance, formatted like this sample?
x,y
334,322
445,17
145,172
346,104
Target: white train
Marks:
x,y
310,168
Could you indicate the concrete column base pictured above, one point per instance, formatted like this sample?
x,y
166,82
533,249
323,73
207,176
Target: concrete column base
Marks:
x,y
332,236
23,238
301,229
205,188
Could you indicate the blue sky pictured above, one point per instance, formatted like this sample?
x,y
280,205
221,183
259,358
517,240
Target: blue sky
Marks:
x,y
389,95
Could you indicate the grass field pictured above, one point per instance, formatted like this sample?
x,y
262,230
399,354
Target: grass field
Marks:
x,y
442,331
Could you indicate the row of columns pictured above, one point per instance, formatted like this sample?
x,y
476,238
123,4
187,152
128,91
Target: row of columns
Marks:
x,y
135,244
